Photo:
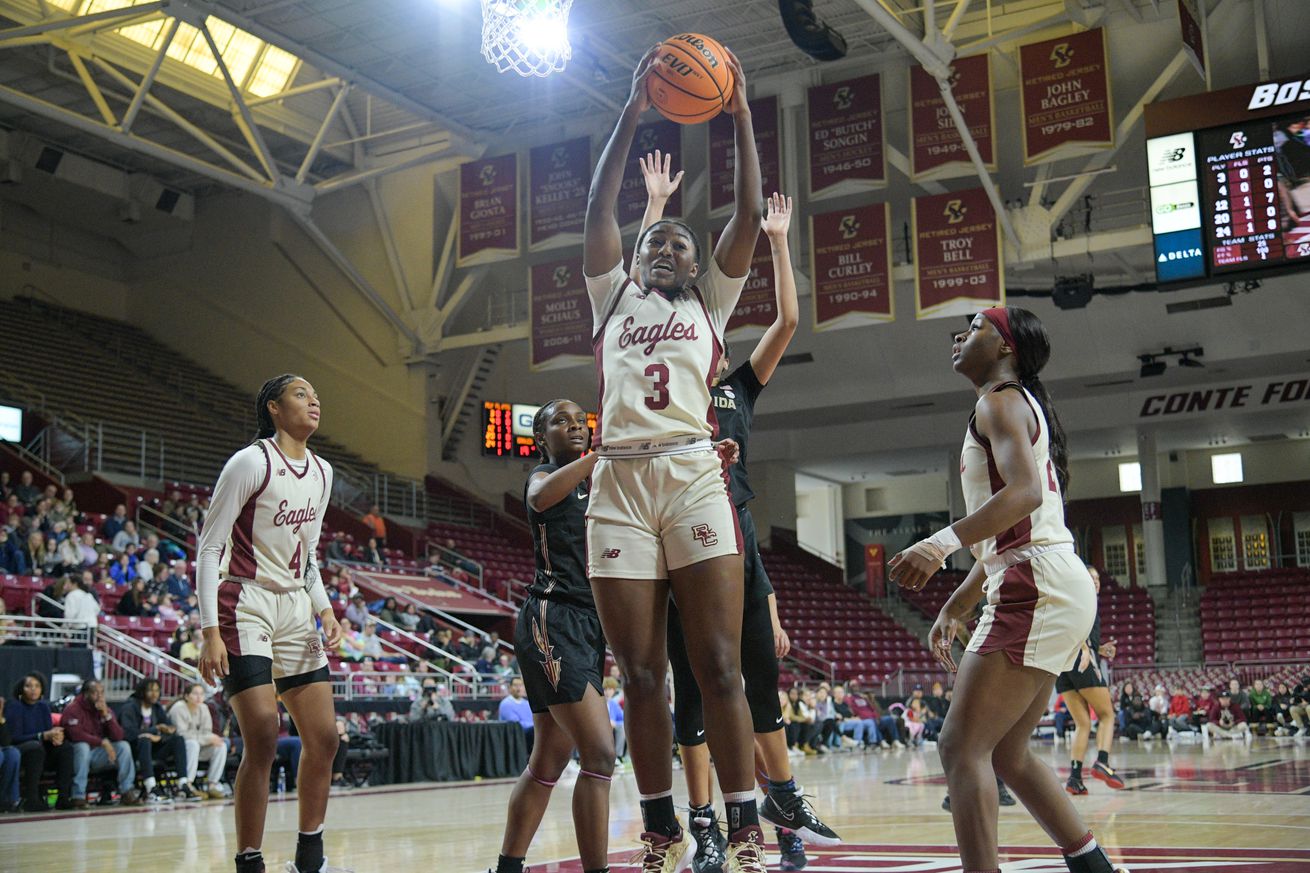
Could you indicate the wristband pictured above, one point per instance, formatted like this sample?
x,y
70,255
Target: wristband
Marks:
x,y
941,545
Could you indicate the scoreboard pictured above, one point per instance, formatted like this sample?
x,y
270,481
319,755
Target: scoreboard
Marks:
x,y
1230,195
507,429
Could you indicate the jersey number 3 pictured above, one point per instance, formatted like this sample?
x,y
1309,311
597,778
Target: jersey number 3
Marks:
x,y
660,373
295,560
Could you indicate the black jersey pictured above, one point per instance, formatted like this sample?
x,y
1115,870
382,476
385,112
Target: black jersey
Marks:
x,y
1094,638
734,405
559,544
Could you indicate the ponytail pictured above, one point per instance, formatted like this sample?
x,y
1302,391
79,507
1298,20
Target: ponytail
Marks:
x,y
1034,350
271,391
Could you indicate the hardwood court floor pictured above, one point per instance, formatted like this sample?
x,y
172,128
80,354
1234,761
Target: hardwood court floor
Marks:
x,y
1232,807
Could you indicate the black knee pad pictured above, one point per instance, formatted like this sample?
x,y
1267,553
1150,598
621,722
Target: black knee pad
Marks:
x,y
759,667
688,709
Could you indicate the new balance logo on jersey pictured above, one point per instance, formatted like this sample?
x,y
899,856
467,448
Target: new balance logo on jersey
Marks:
x,y
610,553
651,335
706,535
296,517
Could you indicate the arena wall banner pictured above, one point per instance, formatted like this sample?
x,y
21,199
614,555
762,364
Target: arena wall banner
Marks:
x,y
958,268
1065,95
936,149
1189,21
488,212
852,267
757,307
764,115
559,176
846,149
427,591
665,136
561,314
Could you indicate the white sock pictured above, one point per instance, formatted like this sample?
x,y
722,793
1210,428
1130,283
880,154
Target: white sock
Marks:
x,y
149,784
1090,847
657,795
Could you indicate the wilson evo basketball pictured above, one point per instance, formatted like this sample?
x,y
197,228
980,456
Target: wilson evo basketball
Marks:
x,y
692,81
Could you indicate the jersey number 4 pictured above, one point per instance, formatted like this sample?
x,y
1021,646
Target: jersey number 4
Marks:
x,y
660,373
295,560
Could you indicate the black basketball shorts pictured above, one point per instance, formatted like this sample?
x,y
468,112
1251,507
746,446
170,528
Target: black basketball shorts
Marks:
x,y
561,650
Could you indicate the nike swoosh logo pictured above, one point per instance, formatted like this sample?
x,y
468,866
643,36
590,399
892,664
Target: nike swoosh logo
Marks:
x,y
701,732
778,720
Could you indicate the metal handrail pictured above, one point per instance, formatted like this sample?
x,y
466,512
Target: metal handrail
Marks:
x,y
35,459
144,526
444,561
344,685
48,632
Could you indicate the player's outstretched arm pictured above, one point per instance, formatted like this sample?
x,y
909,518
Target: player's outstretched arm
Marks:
x,y
602,245
657,173
770,349
737,245
547,489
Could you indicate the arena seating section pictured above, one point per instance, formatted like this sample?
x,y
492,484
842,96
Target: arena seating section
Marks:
x,y
1261,615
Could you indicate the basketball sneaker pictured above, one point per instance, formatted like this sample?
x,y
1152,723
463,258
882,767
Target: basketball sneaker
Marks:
x,y
326,868
792,850
793,812
1107,775
1075,786
1004,796
661,854
746,851
711,844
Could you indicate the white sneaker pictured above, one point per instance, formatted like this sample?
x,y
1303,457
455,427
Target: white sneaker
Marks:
x,y
292,868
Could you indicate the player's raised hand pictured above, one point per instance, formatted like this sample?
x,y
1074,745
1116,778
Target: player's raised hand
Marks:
x,y
736,104
777,216
656,170
638,98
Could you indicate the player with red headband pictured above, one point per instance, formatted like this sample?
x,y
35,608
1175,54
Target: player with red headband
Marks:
x,y
1040,600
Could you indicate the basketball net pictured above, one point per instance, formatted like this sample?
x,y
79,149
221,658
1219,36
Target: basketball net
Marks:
x,y
529,37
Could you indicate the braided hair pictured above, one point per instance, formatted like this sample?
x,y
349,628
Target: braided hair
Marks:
x,y
1031,356
271,391
539,425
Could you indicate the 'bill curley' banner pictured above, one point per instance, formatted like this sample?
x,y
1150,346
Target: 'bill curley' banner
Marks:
x,y
936,149
852,267
757,307
665,136
957,254
561,314
723,153
559,176
488,210
1065,95
847,154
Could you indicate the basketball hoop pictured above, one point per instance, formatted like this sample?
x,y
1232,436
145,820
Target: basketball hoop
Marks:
x,y
529,37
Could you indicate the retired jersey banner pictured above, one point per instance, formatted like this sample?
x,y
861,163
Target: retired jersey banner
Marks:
x,y
559,176
936,149
665,136
957,254
846,137
1189,20
488,210
561,314
758,305
852,267
723,153
1065,95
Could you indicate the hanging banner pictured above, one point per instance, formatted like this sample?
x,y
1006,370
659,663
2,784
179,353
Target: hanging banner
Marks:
x,y
667,137
561,314
1190,18
875,566
757,307
957,254
851,257
488,210
846,137
1065,95
723,153
559,176
936,149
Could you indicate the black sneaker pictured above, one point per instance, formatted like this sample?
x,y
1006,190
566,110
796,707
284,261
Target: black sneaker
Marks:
x,y
793,812
711,844
791,850
1075,786
1004,795
159,796
946,803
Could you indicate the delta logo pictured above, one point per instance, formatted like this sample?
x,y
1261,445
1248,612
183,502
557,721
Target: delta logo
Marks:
x,y
1178,255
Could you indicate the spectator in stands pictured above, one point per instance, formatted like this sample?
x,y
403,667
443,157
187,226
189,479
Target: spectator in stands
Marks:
x,y
389,612
1201,707
159,586
195,724
336,548
433,702
468,648
184,646
485,665
863,731
126,536
826,717
168,609
68,556
11,556
178,584
1226,720
916,712
1181,708
80,604
147,729
1284,700
69,504
114,523
1237,695
802,727
351,647
1260,711
32,730
610,686
505,667
86,550
10,765
372,643
1126,693
938,706
1300,708
35,555
409,619
1141,721
52,606
1159,705
98,742
145,569
358,612
135,601
5,485
121,571
372,554
514,707
865,706
377,524
27,493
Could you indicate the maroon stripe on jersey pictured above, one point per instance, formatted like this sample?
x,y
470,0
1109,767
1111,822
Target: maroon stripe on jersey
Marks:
x,y
242,563
598,349
322,475
710,415
301,474
1022,532
1012,620
229,594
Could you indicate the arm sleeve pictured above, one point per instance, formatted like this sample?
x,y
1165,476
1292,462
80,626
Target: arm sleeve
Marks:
x,y
721,293
314,581
602,290
242,476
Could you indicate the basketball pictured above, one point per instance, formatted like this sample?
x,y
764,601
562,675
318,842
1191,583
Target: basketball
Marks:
x,y
692,81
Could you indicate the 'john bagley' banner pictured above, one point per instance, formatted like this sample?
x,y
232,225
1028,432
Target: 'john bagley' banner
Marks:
x,y
488,210
561,314
1065,96
1272,393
